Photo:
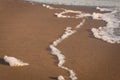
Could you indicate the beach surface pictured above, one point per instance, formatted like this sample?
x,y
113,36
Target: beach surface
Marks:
x,y
27,30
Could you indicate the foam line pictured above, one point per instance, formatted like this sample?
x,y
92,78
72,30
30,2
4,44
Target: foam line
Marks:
x,y
80,24
59,55
14,62
78,14
61,58
104,9
67,33
47,6
50,7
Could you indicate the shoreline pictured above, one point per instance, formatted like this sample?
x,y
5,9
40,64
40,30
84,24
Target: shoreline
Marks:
x,y
24,34
82,2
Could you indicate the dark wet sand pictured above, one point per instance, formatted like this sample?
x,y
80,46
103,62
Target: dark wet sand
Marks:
x,y
26,31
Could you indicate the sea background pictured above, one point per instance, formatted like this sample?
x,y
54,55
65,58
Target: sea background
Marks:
x,y
82,2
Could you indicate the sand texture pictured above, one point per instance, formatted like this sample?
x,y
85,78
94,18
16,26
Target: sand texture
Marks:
x,y
27,30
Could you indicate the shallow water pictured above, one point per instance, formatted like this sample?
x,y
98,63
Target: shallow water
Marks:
x,y
82,2
109,33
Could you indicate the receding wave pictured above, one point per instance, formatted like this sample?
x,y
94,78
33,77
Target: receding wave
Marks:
x,y
110,32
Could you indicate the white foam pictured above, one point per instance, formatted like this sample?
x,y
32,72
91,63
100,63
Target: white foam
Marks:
x,y
72,75
47,6
50,7
61,58
59,55
57,52
97,16
65,13
104,9
61,14
80,24
61,77
14,62
67,32
107,33
110,32
78,14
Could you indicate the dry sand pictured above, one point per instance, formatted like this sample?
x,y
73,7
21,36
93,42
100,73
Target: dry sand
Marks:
x,y
26,31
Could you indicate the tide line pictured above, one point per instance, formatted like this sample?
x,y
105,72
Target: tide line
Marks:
x,y
67,33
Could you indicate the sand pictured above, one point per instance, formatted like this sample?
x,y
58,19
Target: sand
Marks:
x,y
27,30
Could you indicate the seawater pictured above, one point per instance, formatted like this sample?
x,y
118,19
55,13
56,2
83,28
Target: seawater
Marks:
x,y
109,33
82,2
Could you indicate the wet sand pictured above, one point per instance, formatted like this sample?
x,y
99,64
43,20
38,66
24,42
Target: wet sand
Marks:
x,y
27,30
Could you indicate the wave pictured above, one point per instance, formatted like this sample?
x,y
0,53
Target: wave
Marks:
x,y
81,2
111,32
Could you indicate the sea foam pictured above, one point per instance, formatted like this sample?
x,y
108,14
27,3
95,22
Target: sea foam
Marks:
x,y
14,62
111,32
60,56
79,14
105,33
67,33
61,77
